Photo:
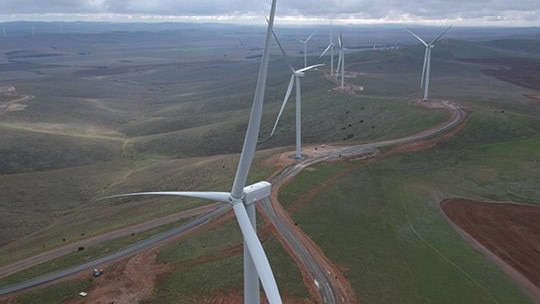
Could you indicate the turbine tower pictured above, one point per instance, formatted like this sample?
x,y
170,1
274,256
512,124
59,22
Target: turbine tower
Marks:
x,y
424,81
242,197
341,61
305,47
330,48
295,78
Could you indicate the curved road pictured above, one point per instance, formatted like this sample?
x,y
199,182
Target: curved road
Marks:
x,y
191,225
60,251
323,279
320,276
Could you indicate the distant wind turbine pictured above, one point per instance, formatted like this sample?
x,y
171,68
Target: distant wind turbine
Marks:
x,y
341,61
424,82
305,47
330,48
242,198
295,77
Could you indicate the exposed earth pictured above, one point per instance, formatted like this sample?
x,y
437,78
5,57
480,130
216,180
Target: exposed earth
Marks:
x,y
519,71
122,284
509,231
11,100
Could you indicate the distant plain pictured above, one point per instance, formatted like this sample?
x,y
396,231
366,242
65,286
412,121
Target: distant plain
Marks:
x,y
158,109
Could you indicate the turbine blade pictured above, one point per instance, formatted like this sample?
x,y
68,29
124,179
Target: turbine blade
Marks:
x,y
416,36
424,67
211,196
438,37
310,67
339,62
326,50
282,50
257,254
252,133
287,95
305,41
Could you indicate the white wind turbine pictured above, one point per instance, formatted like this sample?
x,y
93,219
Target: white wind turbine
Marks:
x,y
341,61
242,198
305,47
424,82
295,77
330,48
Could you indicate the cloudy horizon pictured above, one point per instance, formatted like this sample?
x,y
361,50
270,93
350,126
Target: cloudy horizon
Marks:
x,y
436,12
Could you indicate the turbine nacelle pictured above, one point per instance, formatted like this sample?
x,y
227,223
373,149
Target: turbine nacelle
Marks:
x,y
241,197
256,192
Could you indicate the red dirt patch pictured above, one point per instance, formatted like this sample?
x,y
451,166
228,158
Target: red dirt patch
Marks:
x,y
131,282
533,97
523,72
510,231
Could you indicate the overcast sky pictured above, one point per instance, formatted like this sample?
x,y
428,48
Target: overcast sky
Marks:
x,y
460,12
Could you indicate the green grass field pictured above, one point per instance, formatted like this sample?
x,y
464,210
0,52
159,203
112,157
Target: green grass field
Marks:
x,y
132,119
383,224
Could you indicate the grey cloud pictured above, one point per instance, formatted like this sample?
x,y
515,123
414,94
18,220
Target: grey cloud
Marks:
x,y
184,7
50,6
363,9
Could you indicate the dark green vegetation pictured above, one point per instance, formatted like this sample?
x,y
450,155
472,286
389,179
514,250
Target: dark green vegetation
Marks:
x,y
382,221
208,264
123,112
83,255
56,293
384,226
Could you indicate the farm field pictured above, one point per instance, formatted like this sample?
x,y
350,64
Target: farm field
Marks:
x,y
108,118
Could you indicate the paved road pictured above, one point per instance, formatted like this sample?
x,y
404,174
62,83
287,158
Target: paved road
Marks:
x,y
60,251
193,224
321,277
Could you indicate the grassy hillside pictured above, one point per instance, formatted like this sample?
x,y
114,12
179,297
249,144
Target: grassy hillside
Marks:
x,y
122,119
383,224
382,221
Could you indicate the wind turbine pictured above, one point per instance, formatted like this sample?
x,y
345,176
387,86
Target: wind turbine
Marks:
x,y
242,198
305,47
341,61
295,78
330,48
424,82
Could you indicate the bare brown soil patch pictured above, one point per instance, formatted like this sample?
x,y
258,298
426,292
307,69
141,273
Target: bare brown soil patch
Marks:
x,y
533,97
126,283
519,71
510,231
11,100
